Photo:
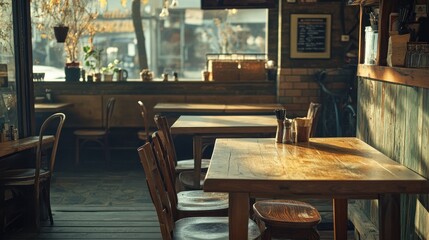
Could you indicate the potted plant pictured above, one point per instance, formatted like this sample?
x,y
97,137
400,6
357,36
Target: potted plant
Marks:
x,y
92,60
110,70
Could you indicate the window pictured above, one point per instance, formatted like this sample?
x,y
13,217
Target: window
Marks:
x,y
176,43
8,98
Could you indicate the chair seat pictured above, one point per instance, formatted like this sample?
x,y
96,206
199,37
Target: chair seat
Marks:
x,y
90,132
17,177
188,164
208,228
197,200
186,178
287,213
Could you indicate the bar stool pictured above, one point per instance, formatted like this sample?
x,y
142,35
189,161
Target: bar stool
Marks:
x,y
287,218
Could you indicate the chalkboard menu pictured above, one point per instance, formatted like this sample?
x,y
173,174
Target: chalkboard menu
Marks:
x,y
310,35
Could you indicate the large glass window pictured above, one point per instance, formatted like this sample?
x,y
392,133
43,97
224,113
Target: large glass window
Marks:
x,y
178,42
8,98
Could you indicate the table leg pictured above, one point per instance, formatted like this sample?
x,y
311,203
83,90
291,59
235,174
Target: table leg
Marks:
x,y
340,218
198,148
389,216
238,215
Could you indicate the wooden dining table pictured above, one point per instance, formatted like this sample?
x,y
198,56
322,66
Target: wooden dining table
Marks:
x,y
334,168
11,147
213,126
213,108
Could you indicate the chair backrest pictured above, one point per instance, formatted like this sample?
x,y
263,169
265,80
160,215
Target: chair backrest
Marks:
x,y
143,112
167,171
166,138
55,122
157,192
109,112
313,113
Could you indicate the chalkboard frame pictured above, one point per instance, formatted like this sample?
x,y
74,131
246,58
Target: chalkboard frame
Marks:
x,y
294,49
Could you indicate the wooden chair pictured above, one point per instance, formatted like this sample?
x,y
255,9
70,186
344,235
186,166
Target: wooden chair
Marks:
x,y
145,134
184,168
184,228
313,113
187,203
37,178
100,136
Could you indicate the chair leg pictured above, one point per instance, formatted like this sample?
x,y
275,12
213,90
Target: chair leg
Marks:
x,y
2,211
76,162
107,150
47,200
36,209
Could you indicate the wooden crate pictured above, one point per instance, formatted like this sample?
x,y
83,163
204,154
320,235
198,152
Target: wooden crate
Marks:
x,y
252,70
237,70
224,71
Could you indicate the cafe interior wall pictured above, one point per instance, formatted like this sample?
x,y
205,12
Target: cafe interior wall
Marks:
x,y
296,85
394,119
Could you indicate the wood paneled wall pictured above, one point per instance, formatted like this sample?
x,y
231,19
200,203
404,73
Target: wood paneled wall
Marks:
x,y
395,119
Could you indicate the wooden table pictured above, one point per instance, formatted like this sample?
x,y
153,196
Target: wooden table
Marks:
x,y
50,107
337,168
210,108
221,126
19,145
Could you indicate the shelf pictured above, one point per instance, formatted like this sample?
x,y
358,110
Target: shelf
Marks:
x,y
364,2
415,77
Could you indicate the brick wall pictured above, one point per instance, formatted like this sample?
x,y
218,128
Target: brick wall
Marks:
x,y
297,87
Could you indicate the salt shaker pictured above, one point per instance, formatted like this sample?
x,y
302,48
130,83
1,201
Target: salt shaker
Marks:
x,y
287,131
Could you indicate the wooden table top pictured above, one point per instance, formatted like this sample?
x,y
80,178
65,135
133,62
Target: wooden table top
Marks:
x,y
51,107
19,145
221,124
323,167
215,108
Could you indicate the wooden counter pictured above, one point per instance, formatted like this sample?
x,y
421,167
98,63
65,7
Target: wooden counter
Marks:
x,y
51,107
89,99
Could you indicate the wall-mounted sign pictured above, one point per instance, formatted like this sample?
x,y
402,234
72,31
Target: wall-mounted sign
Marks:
x,y
310,36
3,75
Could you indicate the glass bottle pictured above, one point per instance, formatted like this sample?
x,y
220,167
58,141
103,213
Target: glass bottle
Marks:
x,y
410,50
415,56
424,56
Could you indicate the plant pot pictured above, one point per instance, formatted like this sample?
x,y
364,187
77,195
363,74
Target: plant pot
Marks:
x,y
61,33
97,77
72,74
108,77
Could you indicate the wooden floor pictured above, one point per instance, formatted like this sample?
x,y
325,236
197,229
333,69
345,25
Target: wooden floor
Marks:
x,y
108,223
116,221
